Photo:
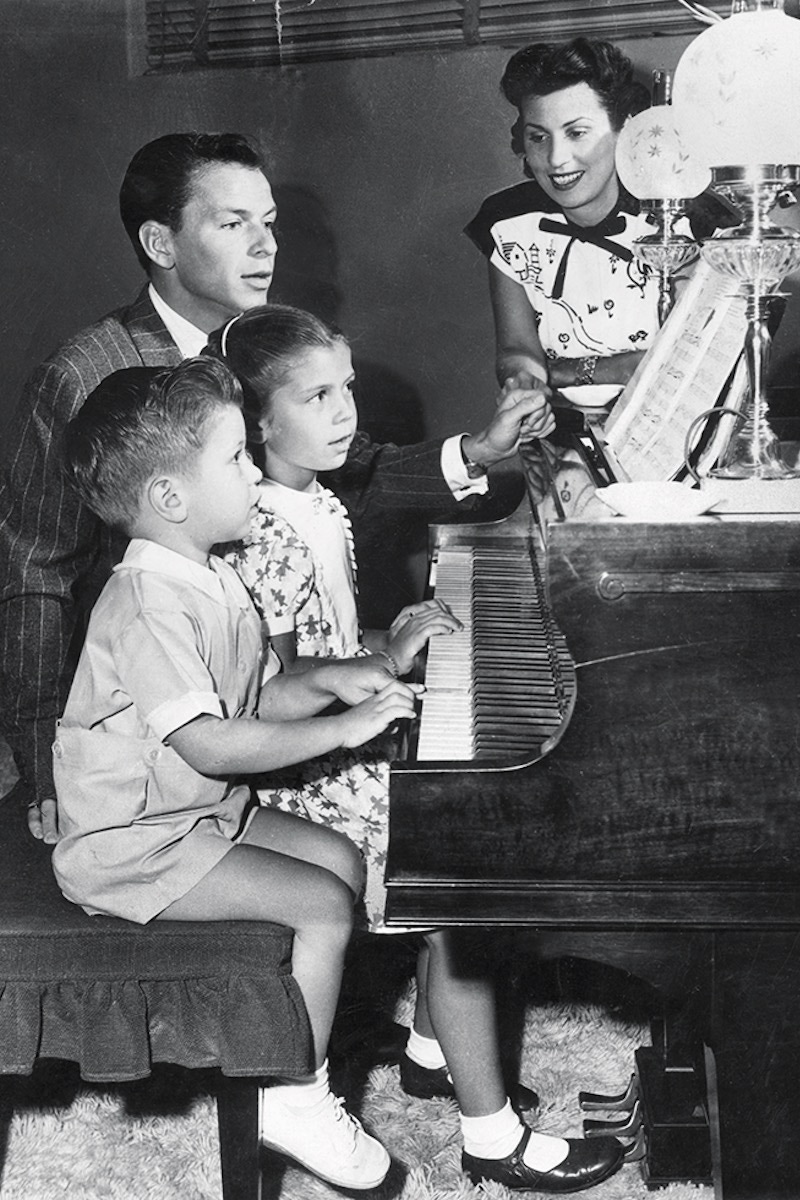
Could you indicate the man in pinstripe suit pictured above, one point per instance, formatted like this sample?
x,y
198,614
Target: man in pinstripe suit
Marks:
x,y
200,214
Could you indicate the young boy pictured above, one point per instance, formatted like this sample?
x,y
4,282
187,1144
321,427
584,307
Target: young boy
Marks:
x,y
175,698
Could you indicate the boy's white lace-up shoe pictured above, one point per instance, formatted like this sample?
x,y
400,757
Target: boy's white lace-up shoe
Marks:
x,y
324,1138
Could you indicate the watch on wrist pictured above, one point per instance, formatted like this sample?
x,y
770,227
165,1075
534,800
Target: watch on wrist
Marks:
x,y
475,470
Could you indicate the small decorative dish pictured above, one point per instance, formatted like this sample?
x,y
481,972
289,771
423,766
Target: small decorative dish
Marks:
x,y
591,395
656,501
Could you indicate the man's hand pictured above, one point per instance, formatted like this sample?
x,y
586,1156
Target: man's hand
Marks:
x,y
43,821
523,414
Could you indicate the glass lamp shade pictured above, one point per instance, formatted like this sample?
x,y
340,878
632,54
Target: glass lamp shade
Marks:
x,y
654,160
735,91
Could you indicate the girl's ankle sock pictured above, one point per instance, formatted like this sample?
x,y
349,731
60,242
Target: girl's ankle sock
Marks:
x,y
424,1051
492,1136
498,1134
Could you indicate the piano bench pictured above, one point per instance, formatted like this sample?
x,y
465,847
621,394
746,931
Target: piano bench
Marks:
x,y
115,997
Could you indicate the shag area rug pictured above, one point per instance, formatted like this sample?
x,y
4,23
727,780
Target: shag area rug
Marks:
x,y
157,1140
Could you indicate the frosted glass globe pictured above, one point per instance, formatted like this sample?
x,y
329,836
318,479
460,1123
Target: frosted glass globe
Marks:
x,y
654,161
736,94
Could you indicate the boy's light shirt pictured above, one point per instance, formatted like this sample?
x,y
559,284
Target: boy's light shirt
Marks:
x,y
191,341
144,555
187,337
169,640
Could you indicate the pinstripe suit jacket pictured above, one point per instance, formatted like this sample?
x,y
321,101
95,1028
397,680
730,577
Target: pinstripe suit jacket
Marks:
x,y
52,549
55,555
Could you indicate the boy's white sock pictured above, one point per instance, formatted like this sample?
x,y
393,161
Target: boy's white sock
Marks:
x,y
498,1134
424,1051
303,1118
306,1091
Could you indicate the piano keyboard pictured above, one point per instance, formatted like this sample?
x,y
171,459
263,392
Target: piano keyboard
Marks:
x,y
503,685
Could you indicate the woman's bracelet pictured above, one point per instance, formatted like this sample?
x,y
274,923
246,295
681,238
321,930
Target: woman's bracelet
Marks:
x,y
391,662
585,369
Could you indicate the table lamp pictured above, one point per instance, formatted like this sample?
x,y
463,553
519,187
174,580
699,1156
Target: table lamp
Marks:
x,y
736,98
656,165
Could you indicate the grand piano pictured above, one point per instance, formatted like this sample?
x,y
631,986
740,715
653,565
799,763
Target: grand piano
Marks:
x,y
611,764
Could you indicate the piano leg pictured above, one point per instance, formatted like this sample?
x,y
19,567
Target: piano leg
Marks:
x,y
755,1036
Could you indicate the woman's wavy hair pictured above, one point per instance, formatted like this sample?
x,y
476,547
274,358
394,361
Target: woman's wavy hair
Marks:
x,y
546,67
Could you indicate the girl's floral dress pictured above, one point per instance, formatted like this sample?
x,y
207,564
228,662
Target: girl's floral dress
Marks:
x,y
347,789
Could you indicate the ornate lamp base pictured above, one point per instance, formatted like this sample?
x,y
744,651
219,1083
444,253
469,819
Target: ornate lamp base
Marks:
x,y
664,251
759,255
753,451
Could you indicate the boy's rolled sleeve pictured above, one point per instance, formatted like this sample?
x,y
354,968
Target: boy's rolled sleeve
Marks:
x,y
174,714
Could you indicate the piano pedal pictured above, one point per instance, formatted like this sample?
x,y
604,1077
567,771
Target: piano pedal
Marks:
x,y
630,1124
624,1102
636,1150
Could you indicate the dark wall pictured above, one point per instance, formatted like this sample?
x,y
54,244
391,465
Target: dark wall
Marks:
x,y
377,164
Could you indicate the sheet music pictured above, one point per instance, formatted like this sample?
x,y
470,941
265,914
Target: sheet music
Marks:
x,y
683,374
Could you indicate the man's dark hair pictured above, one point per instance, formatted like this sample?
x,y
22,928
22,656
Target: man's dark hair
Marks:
x,y
158,181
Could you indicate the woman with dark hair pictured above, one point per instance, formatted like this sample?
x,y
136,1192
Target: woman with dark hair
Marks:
x,y
571,304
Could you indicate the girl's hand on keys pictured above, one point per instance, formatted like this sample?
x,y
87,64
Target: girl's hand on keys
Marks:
x,y
414,626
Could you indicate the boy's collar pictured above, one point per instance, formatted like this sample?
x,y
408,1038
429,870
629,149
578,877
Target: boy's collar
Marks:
x,y
144,555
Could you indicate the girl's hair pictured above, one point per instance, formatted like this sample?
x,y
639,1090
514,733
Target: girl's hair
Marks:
x,y
546,67
137,423
261,346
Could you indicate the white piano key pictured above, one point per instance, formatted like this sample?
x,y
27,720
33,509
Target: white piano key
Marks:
x,y
490,688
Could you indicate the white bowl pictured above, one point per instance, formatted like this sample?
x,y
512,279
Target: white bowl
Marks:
x,y
656,501
592,395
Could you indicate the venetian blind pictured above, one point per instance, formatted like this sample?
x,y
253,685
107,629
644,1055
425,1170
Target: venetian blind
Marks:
x,y
186,33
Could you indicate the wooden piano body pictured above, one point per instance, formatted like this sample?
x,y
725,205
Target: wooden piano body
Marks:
x,y
661,833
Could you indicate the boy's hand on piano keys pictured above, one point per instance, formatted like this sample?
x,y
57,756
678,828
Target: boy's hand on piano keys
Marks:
x,y
523,414
414,626
355,679
366,720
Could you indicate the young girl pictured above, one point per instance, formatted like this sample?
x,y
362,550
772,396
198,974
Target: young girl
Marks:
x,y
297,377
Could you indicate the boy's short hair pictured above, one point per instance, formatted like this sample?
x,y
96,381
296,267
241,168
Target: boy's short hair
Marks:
x,y
137,423
158,181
